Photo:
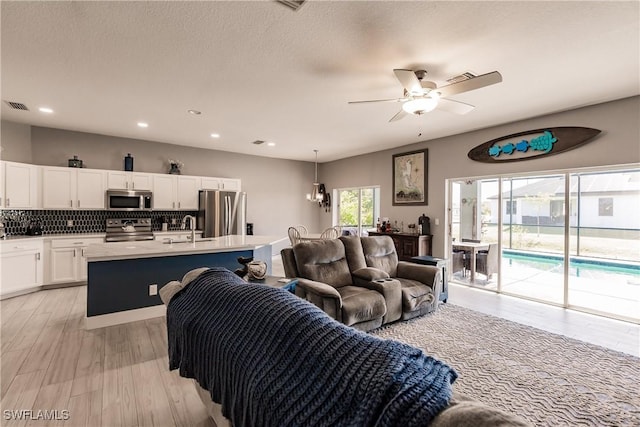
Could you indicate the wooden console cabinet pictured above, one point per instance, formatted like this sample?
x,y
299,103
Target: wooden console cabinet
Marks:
x,y
408,245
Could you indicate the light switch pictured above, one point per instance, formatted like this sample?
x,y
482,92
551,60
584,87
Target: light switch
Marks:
x,y
437,221
153,290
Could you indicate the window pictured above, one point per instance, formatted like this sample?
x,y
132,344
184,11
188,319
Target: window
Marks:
x,y
511,207
605,206
358,209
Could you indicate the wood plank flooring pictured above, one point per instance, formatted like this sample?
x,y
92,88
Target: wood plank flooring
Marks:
x,y
118,376
115,376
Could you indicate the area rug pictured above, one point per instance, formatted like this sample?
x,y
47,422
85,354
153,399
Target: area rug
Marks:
x,y
547,379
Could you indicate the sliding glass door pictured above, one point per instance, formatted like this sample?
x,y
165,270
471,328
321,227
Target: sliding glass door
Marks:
x,y
533,237
605,242
570,239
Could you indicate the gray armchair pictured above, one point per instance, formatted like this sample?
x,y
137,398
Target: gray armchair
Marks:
x,y
420,292
324,280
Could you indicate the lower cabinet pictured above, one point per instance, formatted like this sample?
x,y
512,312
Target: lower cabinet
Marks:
x,y
21,266
66,261
408,245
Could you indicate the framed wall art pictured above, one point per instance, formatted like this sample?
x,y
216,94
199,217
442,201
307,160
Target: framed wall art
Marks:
x,y
410,178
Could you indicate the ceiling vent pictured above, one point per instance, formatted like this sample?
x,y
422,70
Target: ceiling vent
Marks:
x,y
17,105
258,142
292,4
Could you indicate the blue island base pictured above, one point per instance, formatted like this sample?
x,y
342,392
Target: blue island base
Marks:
x,y
118,291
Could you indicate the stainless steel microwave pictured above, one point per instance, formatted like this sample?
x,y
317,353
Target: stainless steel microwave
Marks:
x,y
124,200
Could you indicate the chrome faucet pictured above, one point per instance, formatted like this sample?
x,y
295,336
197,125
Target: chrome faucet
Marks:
x,y
192,223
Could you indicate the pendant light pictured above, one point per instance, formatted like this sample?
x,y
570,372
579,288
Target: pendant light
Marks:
x,y
316,195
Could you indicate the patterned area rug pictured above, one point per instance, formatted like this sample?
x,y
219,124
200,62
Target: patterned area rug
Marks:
x,y
547,379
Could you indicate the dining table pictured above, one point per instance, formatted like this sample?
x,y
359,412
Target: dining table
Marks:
x,y
472,248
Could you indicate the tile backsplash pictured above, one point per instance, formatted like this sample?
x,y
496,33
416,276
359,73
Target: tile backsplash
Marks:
x,y
89,221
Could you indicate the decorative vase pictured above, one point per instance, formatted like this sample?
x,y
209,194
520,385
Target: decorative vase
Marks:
x,y
257,270
128,163
175,169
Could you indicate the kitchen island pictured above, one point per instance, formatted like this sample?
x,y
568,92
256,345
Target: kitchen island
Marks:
x,y
124,277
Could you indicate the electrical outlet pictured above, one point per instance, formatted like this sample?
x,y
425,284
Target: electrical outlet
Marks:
x,y
153,290
437,221
174,221
69,223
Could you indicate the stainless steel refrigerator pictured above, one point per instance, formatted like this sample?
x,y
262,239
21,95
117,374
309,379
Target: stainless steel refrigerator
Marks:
x,y
222,212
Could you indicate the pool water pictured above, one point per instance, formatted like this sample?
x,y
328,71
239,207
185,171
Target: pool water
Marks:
x,y
578,267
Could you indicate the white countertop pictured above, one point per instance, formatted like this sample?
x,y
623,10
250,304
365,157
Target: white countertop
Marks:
x,y
154,248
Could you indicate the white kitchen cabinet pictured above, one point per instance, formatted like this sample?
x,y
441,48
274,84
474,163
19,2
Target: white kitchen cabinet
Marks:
x,y
66,261
171,192
229,184
187,196
121,180
71,188
20,186
21,266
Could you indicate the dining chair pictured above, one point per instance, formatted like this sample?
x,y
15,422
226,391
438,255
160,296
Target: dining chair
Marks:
x,y
329,233
302,230
487,262
294,236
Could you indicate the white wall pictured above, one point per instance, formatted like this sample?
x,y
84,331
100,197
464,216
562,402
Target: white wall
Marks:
x,y
275,188
617,144
15,142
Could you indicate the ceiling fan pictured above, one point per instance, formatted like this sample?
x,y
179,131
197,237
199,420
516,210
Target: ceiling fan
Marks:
x,y
422,96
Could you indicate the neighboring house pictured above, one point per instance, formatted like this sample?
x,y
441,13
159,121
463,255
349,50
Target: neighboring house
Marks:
x,y
599,201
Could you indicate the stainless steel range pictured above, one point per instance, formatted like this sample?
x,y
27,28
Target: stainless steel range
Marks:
x,y
128,229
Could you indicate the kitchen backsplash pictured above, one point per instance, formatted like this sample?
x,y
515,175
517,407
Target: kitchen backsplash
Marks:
x,y
56,221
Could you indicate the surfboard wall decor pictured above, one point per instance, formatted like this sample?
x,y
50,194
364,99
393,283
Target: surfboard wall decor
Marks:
x,y
532,144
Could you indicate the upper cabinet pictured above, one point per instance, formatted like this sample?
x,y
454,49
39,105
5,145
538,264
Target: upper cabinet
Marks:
x,y
228,184
19,184
121,180
25,186
71,188
172,192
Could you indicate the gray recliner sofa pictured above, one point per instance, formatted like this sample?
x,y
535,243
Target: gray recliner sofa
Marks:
x,y
359,280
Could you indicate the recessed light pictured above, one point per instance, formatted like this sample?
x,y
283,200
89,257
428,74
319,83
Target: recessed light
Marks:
x,y
271,144
45,110
194,112
143,124
215,135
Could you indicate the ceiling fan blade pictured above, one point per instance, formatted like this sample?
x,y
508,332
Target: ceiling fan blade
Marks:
x,y
456,107
471,84
379,100
408,80
400,114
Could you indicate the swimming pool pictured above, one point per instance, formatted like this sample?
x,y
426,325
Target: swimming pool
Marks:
x,y
578,266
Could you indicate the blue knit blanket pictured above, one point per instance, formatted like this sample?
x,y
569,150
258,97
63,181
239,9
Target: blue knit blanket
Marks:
x,y
272,359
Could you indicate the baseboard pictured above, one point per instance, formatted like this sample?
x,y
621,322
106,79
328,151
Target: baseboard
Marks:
x,y
104,320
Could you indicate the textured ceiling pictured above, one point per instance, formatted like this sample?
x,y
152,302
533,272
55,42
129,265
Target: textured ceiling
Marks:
x,y
258,70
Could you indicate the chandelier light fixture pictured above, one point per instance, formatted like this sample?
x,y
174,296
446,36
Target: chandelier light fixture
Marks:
x,y
315,195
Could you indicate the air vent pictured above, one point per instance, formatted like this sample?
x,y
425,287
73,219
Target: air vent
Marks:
x,y
292,4
17,105
462,77
258,142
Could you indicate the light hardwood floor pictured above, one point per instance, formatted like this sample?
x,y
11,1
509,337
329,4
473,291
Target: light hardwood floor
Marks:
x,y
118,376
115,376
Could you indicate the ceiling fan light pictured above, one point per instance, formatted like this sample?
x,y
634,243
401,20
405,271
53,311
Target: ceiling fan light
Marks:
x,y
420,105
